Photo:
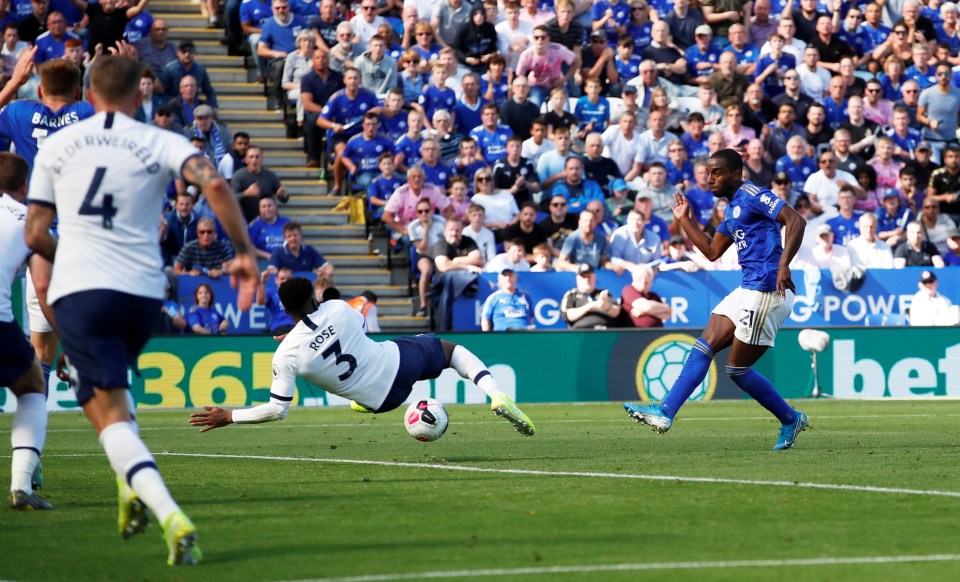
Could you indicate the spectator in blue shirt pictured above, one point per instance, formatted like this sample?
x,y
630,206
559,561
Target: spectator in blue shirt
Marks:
x,y
280,321
436,95
627,62
592,110
50,44
203,317
796,164
383,186
278,34
174,71
491,136
574,188
297,256
363,151
253,13
703,56
507,308
266,231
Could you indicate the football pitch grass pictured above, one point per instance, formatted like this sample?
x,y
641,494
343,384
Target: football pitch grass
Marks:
x,y
870,492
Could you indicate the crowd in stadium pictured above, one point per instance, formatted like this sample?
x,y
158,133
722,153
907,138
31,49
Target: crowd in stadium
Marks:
x,y
553,134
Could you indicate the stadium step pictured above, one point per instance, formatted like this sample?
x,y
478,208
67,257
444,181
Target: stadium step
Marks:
x,y
220,61
277,144
246,89
295,173
242,115
381,291
298,188
261,130
273,159
341,246
367,277
331,230
313,201
228,75
209,47
403,324
239,103
359,261
195,34
173,6
184,19
314,217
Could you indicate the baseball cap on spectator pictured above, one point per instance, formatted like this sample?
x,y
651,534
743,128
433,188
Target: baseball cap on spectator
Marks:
x,y
824,229
676,240
203,111
186,45
507,271
618,185
924,145
703,29
696,116
644,195
584,269
629,89
164,111
891,193
598,33
928,276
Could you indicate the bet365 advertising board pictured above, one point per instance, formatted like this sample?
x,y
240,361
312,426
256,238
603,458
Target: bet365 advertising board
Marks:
x,y
234,371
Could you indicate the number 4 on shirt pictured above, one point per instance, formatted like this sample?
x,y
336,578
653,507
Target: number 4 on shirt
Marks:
x,y
107,210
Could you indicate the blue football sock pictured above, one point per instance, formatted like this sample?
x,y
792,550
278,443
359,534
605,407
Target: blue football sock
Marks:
x,y
761,390
694,371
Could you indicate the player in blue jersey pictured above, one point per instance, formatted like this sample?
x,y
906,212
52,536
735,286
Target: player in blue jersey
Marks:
x,y
341,118
491,137
749,318
363,151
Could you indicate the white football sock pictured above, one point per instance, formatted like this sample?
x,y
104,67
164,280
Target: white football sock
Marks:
x,y
128,453
470,367
27,438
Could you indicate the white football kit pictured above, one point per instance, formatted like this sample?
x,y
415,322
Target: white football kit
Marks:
x,y
13,217
107,176
330,349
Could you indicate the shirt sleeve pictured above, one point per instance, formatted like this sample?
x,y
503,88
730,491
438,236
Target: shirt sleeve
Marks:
x,y
41,182
487,312
282,390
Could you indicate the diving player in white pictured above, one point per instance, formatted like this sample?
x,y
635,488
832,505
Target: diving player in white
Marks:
x,y
328,347
19,367
105,178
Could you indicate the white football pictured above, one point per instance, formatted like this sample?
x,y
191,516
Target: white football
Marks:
x,y
426,419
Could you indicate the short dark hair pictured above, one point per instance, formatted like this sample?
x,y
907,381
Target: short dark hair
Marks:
x,y
13,171
730,158
369,296
241,134
330,293
61,78
292,225
295,293
530,204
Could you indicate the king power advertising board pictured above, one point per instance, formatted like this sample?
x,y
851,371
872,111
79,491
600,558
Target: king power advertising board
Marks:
x,y
589,366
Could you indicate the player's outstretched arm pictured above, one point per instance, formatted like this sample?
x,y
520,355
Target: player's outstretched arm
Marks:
x,y
711,247
244,273
795,225
21,74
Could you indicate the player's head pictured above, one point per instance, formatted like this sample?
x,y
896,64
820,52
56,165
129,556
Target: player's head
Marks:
x,y
725,172
115,83
13,175
296,295
60,79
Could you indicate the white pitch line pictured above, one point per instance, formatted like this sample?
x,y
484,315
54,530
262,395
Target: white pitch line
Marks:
x,y
468,469
726,564
566,421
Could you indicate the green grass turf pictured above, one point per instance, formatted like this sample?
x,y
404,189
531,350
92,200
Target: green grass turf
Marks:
x,y
273,519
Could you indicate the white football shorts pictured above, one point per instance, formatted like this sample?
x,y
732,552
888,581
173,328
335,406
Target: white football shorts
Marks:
x,y
757,315
38,323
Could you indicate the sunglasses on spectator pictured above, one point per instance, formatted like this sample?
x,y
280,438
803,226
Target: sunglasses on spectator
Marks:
x,y
423,211
943,74
205,231
911,90
900,32
677,149
873,90
424,34
365,8
483,178
539,36
827,161
558,204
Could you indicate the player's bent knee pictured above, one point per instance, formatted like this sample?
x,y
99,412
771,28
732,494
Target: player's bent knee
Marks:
x,y
734,371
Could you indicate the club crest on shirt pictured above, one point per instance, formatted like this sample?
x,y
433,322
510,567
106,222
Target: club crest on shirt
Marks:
x,y
736,212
